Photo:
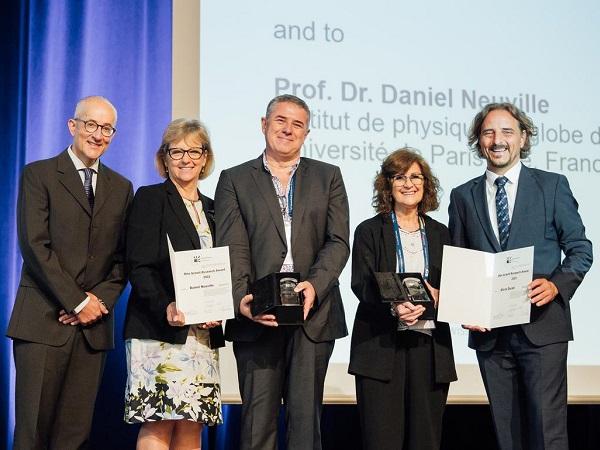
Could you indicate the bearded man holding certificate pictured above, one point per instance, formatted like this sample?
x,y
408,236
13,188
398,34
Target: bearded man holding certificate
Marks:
x,y
511,206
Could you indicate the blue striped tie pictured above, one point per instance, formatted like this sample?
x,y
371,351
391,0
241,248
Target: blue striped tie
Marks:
x,y
502,211
87,185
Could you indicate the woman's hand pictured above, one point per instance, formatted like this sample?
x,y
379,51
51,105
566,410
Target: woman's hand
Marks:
x,y
175,317
409,313
207,325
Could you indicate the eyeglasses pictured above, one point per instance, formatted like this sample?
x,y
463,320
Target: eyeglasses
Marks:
x,y
193,153
416,180
91,126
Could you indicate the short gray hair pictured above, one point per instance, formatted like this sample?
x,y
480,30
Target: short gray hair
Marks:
x,y
288,98
82,103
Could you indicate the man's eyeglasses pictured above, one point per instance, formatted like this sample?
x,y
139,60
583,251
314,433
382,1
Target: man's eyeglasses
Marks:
x,y
416,180
91,126
193,153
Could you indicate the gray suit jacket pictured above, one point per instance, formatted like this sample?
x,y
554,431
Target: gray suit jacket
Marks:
x,y
67,250
545,216
248,219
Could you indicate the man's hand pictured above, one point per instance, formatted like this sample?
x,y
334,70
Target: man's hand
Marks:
x,y
541,291
93,311
267,320
207,325
409,313
309,293
175,317
475,328
67,319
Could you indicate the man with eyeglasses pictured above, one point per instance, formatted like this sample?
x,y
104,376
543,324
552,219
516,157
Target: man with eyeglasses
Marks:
x,y
70,219
283,213
524,367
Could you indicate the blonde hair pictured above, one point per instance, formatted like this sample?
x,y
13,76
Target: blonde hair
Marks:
x,y
187,130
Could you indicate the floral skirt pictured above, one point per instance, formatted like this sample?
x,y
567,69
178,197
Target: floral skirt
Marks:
x,y
173,381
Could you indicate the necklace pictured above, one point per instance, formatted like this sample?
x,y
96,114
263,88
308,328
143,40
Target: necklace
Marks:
x,y
192,204
413,226
411,242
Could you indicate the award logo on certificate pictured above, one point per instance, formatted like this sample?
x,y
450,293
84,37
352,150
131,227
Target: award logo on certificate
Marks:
x,y
485,289
202,280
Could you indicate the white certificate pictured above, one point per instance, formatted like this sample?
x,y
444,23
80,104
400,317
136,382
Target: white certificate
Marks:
x,y
485,289
202,280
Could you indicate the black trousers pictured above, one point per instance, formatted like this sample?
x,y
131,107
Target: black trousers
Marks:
x,y
55,392
405,412
282,364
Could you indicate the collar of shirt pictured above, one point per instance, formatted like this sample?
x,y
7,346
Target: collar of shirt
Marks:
x,y
79,166
293,167
512,174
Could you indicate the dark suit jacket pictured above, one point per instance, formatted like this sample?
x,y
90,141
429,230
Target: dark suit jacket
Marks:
x,y
374,334
159,210
249,220
545,216
67,250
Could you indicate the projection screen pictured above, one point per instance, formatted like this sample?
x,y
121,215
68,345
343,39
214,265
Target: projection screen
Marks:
x,y
380,75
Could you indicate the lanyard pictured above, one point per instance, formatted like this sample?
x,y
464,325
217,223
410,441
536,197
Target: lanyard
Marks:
x,y
290,196
400,254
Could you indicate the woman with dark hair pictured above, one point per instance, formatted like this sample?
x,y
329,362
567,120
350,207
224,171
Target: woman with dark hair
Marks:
x,y
402,365
173,385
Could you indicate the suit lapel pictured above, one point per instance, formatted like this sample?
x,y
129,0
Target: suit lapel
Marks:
x,y
178,207
265,188
103,189
528,207
70,179
389,243
302,195
209,212
481,208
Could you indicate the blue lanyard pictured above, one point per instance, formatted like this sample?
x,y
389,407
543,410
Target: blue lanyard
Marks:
x,y
290,196
400,254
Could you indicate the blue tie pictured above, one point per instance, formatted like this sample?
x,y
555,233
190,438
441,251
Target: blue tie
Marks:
x,y
87,185
502,211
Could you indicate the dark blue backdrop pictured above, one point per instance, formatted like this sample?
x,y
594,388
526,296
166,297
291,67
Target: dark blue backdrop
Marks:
x,y
53,53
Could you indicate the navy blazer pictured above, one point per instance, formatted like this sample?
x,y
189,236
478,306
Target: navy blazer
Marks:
x,y
159,210
545,216
375,329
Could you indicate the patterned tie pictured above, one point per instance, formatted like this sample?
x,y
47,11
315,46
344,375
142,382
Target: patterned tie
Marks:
x,y
87,185
502,211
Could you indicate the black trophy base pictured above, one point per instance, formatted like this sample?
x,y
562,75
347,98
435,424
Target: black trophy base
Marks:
x,y
288,314
430,311
267,299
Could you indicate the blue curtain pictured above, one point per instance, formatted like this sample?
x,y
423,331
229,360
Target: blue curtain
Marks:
x,y
52,54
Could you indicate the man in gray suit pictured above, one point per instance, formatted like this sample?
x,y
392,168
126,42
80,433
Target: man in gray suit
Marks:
x,y
283,213
524,367
70,218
